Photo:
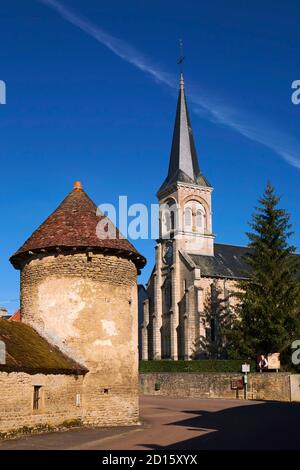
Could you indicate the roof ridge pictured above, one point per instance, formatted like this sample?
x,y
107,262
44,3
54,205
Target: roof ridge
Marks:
x,y
230,244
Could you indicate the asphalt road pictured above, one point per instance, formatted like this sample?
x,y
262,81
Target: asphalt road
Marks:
x,y
185,424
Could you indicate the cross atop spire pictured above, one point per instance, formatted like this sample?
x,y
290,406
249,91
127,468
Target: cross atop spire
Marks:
x,y
183,165
181,56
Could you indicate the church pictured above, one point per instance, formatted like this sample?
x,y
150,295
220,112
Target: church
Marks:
x,y
190,268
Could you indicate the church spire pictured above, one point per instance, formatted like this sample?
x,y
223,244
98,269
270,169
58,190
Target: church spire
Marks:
x,y
183,165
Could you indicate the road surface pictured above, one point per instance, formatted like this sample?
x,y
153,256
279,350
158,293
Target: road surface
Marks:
x,y
186,424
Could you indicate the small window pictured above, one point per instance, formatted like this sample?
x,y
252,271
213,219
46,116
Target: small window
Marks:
x,y
77,399
36,397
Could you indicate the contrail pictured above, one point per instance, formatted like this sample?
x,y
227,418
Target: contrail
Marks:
x,y
119,47
279,142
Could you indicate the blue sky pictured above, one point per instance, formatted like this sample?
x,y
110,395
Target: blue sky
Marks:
x,y
91,96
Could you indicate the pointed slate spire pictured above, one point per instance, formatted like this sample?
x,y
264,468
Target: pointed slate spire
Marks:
x,y
183,166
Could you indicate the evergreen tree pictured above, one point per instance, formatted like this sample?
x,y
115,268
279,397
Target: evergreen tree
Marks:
x,y
269,301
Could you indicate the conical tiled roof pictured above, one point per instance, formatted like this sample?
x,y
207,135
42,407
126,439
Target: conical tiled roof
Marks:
x,y
73,225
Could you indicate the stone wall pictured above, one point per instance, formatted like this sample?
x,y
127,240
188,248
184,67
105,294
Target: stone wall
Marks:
x,y
266,386
86,304
57,405
270,386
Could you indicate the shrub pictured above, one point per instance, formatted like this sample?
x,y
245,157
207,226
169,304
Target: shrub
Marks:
x,y
205,365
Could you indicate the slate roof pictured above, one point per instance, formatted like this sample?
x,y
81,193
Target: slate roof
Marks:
x,y
183,165
73,225
227,262
27,351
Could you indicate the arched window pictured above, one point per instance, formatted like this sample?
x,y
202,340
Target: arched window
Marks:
x,y
188,217
168,214
167,295
172,216
199,219
194,216
167,221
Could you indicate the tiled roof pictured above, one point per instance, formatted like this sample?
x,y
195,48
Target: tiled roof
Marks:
x,y
73,225
27,351
227,262
16,316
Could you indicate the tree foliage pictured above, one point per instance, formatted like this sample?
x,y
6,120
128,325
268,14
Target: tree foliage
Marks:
x,y
269,300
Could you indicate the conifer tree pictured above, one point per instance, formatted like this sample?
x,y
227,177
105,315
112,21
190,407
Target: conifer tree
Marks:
x,y
268,308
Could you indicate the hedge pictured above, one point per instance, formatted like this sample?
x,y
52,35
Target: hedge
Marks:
x,y
202,365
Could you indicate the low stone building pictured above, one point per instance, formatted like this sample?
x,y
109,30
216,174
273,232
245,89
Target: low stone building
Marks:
x,y
40,386
79,303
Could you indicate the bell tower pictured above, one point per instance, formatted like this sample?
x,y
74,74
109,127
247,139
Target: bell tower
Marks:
x,y
185,195
185,227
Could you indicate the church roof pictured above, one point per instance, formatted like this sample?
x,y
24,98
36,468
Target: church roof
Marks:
x,y
29,352
227,262
183,166
73,225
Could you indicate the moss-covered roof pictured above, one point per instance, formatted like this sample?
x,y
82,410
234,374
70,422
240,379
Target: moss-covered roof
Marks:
x,y
27,351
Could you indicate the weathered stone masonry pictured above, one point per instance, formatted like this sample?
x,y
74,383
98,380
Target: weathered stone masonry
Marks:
x,y
58,401
88,308
267,386
79,292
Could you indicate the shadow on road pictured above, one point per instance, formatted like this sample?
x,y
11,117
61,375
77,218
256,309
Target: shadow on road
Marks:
x,y
261,426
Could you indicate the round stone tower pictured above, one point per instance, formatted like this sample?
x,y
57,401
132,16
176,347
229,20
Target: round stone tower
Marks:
x,y
79,291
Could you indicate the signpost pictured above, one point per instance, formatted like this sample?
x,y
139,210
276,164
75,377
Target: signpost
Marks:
x,y
245,370
237,384
274,361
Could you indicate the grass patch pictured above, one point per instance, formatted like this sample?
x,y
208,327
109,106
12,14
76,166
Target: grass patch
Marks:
x,y
40,428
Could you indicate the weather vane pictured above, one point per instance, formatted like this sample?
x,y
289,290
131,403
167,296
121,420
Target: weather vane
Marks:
x,y
181,56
